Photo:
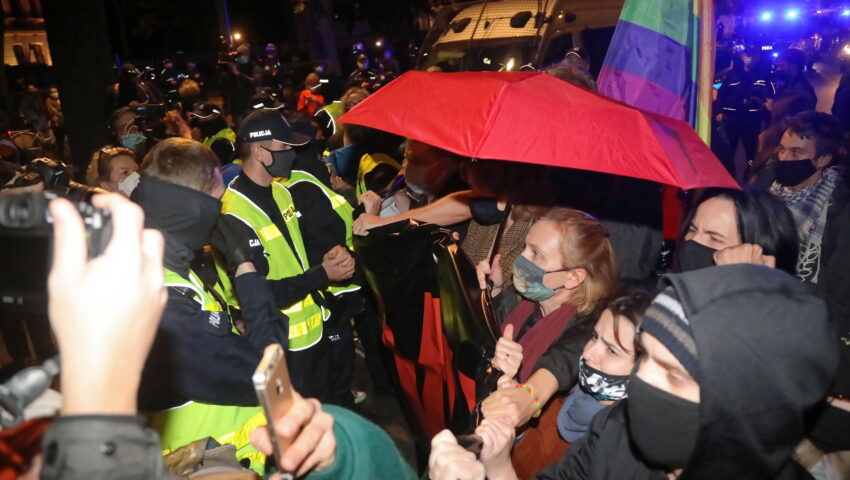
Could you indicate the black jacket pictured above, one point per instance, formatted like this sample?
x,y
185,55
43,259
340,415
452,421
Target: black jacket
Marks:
x,y
287,290
760,376
562,357
834,279
196,357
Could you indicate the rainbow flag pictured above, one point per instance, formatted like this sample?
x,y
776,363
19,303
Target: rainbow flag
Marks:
x,y
661,59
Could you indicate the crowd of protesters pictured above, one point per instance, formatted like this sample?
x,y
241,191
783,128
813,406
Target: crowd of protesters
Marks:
x,y
234,219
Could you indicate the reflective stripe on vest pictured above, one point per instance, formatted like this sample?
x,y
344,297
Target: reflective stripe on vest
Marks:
x,y
305,316
367,164
193,421
206,300
340,206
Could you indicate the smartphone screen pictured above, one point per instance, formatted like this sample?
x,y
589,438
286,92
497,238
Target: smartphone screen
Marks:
x,y
274,391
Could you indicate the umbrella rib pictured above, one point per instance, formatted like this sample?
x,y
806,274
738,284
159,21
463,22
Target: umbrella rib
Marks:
x,y
491,119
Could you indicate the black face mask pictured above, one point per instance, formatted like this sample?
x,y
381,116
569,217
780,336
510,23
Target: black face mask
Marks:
x,y
486,211
185,217
793,172
282,162
693,256
663,426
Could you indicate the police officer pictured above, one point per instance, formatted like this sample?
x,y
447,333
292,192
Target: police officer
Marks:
x,y
296,231
741,102
198,375
361,76
208,118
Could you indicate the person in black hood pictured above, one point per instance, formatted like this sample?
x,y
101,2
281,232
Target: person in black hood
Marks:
x,y
198,375
723,386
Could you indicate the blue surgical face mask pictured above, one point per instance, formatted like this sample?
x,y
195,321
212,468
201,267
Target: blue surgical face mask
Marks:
x,y
528,280
131,140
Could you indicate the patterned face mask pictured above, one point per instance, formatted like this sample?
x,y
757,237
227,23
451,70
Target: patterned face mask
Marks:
x,y
528,280
600,385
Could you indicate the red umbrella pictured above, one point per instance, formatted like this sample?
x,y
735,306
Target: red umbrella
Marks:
x,y
535,117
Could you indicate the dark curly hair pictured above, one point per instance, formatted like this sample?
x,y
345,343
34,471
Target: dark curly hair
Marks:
x,y
822,128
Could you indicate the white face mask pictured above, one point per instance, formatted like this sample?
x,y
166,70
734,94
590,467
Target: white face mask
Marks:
x,y
129,184
54,95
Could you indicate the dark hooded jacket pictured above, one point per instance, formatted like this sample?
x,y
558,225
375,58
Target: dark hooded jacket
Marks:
x,y
766,355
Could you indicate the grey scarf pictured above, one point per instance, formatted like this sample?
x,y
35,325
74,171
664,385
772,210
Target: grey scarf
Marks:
x,y
576,413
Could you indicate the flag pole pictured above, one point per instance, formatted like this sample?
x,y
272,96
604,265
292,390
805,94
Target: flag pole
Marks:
x,y
704,10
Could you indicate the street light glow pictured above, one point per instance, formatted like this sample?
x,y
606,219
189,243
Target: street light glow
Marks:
x,y
237,36
766,16
792,14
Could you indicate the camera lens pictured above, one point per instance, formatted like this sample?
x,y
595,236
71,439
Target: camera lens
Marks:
x,y
22,211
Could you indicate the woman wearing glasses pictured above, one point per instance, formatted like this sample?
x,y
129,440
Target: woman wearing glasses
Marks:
x,y
114,169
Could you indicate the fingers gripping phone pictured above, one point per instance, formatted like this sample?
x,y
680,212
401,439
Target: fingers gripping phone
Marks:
x,y
274,391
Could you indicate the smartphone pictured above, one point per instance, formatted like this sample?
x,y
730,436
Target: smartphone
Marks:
x,y
274,391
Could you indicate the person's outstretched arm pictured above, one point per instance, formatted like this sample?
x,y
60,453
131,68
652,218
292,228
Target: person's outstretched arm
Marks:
x,y
446,211
104,313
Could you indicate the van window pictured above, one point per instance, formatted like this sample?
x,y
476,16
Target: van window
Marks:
x,y
557,49
480,56
595,42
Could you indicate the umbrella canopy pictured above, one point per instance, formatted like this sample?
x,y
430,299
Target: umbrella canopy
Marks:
x,y
534,117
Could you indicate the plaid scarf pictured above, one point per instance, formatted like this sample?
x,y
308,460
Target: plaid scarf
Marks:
x,y
808,206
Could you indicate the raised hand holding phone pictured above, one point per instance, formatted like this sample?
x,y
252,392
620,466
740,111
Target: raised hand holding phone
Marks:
x,y
299,434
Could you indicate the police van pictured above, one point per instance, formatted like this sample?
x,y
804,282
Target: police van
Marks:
x,y
518,34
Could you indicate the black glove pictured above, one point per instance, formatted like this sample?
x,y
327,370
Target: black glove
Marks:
x,y
232,240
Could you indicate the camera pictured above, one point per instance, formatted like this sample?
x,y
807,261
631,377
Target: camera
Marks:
x,y
151,113
56,178
26,246
150,120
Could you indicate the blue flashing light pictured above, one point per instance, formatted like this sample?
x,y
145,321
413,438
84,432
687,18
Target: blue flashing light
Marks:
x,y
792,14
766,16
845,12
775,54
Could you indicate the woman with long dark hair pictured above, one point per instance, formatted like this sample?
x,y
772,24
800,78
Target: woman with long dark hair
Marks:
x,y
732,226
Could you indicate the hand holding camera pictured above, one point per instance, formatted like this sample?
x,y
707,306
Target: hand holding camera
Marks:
x,y
119,294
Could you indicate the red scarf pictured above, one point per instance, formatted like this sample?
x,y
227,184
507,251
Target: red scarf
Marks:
x,y
536,341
